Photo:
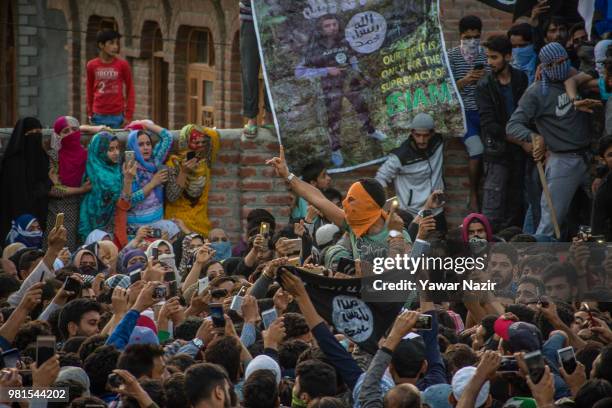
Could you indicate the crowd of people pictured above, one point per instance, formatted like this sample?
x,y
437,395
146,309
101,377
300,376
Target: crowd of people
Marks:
x,y
115,286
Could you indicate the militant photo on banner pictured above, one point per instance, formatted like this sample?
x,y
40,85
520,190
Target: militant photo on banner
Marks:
x,y
346,77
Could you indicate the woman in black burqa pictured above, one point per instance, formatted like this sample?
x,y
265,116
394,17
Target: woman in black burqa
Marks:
x,y
24,175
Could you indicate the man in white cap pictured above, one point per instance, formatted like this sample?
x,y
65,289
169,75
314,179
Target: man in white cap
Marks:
x,y
415,168
471,385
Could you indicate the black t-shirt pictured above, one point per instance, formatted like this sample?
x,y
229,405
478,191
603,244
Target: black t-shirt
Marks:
x,y
508,98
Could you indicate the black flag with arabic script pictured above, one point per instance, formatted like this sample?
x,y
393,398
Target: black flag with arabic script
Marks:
x,y
339,302
503,5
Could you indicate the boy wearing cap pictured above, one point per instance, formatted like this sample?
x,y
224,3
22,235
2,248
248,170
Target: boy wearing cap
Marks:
x,y
415,168
108,77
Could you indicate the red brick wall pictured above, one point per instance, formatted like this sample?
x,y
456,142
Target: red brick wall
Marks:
x,y
241,181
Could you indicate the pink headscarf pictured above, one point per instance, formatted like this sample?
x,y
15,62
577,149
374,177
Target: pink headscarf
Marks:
x,y
72,157
481,219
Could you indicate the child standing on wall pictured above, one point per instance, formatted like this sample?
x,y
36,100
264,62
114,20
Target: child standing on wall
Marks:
x,y
108,77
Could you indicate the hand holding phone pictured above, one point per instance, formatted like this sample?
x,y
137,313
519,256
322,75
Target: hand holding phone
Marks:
x,y
216,314
237,300
535,365
45,349
72,285
59,220
268,317
160,293
567,359
424,322
129,156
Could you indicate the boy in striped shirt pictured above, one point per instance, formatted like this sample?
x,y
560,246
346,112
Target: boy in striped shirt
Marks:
x,y
468,64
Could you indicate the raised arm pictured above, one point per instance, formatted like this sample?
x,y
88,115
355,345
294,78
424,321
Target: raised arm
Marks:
x,y
341,359
573,83
307,191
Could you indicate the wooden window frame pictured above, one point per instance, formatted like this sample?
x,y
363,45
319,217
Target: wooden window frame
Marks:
x,y
197,75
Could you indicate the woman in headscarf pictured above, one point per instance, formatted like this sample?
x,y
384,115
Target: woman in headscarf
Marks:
x,y
24,175
97,235
68,159
26,230
165,254
132,260
104,173
189,177
148,187
87,261
191,243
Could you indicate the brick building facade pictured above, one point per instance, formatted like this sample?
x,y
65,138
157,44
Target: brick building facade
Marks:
x,y
185,61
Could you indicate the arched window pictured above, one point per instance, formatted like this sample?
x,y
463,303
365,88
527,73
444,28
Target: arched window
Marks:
x,y
200,78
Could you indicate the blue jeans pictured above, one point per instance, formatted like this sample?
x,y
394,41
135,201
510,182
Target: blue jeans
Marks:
x,y
112,121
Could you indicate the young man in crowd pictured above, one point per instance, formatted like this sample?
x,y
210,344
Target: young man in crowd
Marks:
x,y
110,90
497,96
415,168
208,386
524,56
362,216
316,174
563,133
468,64
576,38
555,30
601,218
79,317
560,281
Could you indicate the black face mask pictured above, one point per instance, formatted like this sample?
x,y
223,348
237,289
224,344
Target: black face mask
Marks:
x,y
88,270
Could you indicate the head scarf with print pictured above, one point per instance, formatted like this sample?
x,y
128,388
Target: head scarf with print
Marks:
x,y
98,205
19,232
146,168
555,65
72,157
167,259
601,50
192,205
24,175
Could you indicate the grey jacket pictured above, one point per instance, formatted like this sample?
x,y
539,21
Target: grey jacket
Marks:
x,y
562,126
415,174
